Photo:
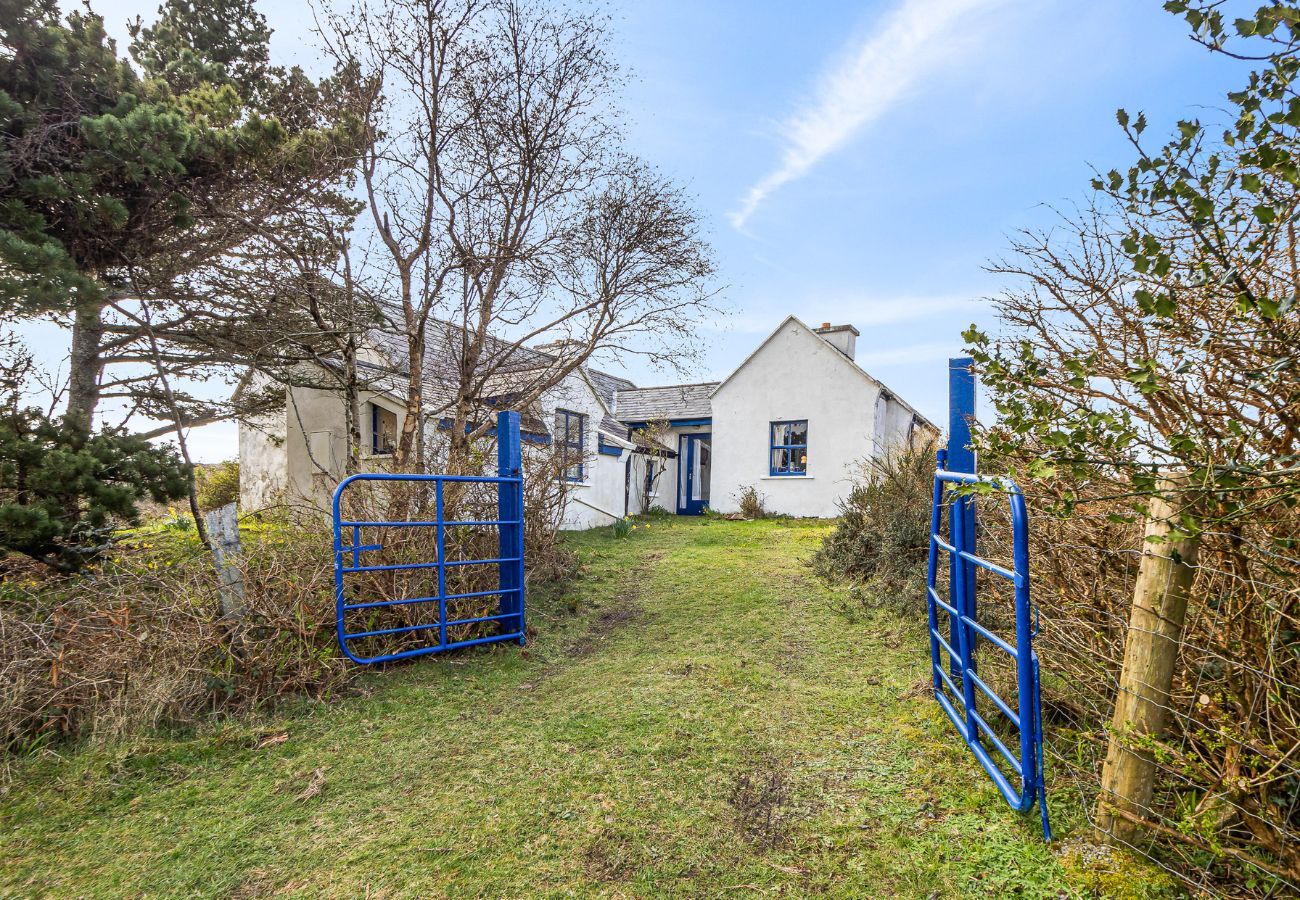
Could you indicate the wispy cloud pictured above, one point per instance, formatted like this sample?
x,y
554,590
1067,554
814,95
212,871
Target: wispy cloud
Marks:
x,y
916,39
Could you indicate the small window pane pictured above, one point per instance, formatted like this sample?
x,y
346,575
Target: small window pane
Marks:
x,y
569,430
789,449
383,429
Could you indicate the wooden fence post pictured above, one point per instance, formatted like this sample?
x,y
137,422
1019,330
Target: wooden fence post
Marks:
x,y
223,530
1150,651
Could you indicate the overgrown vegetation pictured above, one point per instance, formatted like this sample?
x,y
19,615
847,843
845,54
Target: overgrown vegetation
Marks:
x,y
703,726
135,643
882,536
751,504
1155,334
217,485
138,640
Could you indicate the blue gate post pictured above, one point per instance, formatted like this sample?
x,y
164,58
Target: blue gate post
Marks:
x,y
961,458
510,513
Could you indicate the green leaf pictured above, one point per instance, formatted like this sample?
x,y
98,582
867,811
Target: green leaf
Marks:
x,y
1041,468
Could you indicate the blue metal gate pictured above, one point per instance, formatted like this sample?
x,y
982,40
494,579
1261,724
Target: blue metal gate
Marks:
x,y
509,559
956,684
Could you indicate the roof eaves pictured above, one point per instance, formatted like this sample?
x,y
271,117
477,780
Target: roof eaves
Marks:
x,y
853,364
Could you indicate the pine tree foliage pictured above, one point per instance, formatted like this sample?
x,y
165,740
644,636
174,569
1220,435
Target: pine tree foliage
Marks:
x,y
123,190
64,491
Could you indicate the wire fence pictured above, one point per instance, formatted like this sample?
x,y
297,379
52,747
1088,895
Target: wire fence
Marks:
x,y
1224,814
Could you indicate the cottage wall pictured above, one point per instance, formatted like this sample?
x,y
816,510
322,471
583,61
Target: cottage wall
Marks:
x,y
298,455
794,375
598,498
263,462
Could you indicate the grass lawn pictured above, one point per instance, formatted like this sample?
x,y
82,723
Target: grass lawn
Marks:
x,y
704,725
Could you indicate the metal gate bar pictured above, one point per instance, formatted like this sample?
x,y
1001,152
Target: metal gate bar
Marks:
x,y
509,559
956,694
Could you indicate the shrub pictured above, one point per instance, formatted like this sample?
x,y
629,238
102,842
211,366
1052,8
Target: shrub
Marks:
x,y
218,484
65,490
136,642
882,538
750,503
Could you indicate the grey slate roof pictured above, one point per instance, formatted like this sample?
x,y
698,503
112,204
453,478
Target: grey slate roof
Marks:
x,y
674,401
610,425
608,385
511,366
445,347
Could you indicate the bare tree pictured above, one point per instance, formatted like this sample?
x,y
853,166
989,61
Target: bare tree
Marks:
x,y
511,215
318,279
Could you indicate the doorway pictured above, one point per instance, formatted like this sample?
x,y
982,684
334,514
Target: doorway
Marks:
x,y
694,464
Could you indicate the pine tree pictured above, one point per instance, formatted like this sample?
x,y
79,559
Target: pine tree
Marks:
x,y
119,188
63,490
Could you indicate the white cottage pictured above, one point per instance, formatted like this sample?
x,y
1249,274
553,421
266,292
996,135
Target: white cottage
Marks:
x,y
796,420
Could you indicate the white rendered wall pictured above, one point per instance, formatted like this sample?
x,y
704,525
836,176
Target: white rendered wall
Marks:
x,y
263,462
666,489
598,499
638,501
795,375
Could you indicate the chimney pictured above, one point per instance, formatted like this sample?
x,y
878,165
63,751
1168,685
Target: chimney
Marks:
x,y
843,338
565,349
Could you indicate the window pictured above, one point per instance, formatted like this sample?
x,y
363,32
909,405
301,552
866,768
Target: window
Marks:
x,y
789,448
383,430
569,430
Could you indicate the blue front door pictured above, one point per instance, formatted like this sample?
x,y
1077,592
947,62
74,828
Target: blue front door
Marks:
x,y
694,464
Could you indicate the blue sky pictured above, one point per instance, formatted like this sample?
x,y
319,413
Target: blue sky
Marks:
x,y
860,162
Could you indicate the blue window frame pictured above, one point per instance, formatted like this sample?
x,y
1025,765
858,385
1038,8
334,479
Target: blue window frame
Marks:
x,y
570,429
789,447
383,430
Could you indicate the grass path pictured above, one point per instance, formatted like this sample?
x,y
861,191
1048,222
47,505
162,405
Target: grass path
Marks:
x,y
705,726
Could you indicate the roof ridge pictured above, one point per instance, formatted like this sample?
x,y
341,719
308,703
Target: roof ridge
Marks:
x,y
659,387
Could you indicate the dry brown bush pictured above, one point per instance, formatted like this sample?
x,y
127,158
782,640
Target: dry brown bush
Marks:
x,y
138,643
1226,814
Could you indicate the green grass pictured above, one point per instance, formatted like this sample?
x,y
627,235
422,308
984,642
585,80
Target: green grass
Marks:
x,y
705,725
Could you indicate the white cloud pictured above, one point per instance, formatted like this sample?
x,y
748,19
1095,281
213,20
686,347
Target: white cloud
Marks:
x,y
916,39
